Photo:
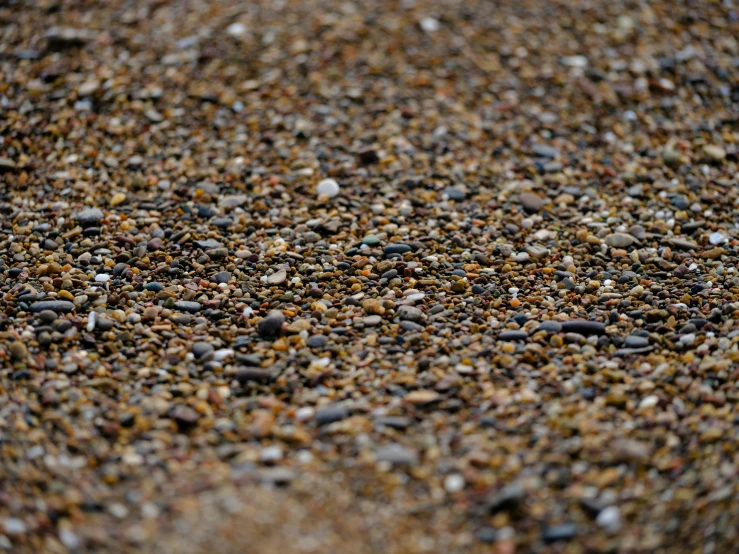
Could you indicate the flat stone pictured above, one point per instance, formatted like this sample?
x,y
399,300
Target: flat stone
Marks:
x,y
89,216
411,313
372,320
57,306
619,240
206,244
509,497
317,341
550,326
253,375
455,193
222,277
371,240
6,164
397,248
396,454
545,151
554,533
537,252
583,327
278,277
714,153
635,341
411,326
513,335
683,244
395,422
184,416
187,306
532,202
331,414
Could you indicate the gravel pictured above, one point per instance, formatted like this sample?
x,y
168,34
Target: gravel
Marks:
x,y
369,277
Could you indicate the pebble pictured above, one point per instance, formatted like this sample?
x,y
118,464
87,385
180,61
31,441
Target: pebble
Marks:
x,y
184,416
609,519
550,326
186,306
562,532
56,306
583,327
716,238
513,335
714,153
207,244
396,454
328,187
89,216
455,193
271,325
532,202
201,349
371,240
18,351
277,278
634,341
317,341
619,240
545,151
397,248
411,313
455,271
331,414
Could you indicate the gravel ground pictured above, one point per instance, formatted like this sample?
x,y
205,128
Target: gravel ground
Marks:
x,y
378,276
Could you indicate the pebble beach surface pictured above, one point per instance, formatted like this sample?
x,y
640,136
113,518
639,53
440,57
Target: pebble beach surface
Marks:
x,y
378,276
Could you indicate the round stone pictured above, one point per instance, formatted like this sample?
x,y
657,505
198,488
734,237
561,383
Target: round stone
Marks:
x,y
328,187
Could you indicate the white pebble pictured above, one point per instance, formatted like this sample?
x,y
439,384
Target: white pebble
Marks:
x,y
271,454
69,539
305,413
236,30
609,519
14,526
328,187
429,24
716,238
454,482
118,510
91,322
304,457
688,339
102,278
648,402
222,354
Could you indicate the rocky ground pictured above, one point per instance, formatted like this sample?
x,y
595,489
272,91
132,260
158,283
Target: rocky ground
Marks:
x,y
377,276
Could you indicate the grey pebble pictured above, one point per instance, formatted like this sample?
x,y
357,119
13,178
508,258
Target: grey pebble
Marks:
x,y
57,306
271,325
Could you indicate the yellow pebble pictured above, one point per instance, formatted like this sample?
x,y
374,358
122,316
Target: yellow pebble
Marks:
x,y
118,198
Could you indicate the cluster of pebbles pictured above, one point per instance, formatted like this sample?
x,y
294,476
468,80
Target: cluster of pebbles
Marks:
x,y
467,270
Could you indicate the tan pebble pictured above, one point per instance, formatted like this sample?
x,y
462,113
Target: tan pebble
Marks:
x,y
373,306
420,397
66,295
298,325
18,351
